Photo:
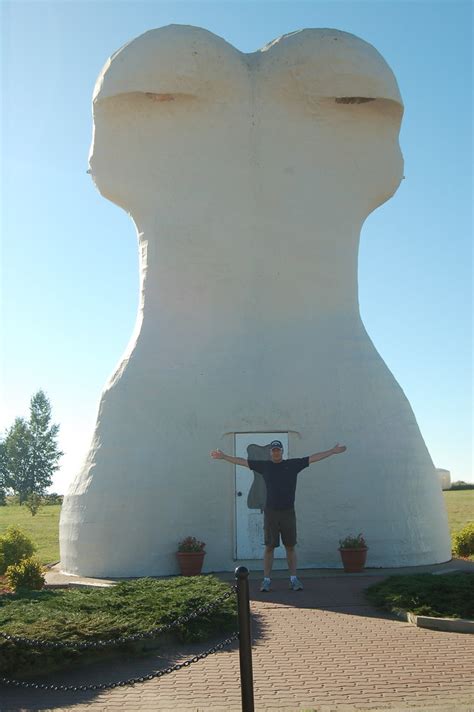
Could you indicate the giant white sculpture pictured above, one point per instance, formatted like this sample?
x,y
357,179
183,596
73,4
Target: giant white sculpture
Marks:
x,y
248,177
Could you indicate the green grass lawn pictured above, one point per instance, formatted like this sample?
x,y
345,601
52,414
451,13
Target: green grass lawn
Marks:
x,y
43,528
460,506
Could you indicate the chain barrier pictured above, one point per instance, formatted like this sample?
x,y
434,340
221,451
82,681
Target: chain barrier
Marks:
x,y
122,683
97,644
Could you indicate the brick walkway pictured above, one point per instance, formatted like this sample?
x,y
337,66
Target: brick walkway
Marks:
x,y
320,649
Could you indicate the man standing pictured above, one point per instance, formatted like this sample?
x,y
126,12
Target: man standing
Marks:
x,y
279,513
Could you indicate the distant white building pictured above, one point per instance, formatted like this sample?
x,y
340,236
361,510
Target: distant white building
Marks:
x,y
444,478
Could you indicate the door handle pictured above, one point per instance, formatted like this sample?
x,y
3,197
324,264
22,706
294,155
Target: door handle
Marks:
x,y
239,494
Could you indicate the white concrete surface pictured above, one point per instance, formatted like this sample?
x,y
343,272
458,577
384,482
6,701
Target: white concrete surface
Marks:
x,y
248,177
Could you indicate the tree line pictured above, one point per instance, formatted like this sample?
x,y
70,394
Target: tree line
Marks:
x,y
29,455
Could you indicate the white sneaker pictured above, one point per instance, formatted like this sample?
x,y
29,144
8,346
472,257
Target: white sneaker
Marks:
x,y
265,586
296,585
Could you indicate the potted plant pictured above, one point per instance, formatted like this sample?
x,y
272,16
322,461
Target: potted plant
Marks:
x,y
190,556
353,550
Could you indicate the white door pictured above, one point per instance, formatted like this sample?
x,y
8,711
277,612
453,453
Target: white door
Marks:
x,y
250,494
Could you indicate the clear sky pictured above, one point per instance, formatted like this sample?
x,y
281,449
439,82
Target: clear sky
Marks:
x,y
69,258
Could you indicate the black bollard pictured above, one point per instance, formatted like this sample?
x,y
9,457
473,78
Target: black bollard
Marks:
x,y
245,639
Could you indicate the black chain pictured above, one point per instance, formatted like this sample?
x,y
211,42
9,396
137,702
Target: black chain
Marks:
x,y
122,683
38,643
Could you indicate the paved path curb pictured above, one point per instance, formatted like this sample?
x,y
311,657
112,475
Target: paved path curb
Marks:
x,y
450,625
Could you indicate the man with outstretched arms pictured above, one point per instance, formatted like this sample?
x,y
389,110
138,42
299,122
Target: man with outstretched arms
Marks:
x,y
279,513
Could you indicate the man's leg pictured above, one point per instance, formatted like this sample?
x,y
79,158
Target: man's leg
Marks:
x,y
268,561
291,558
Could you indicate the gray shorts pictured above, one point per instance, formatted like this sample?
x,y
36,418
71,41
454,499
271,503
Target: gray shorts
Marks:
x,y
279,521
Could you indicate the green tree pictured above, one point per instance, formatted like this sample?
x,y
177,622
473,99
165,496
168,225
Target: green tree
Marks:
x,y
33,503
31,452
17,458
45,453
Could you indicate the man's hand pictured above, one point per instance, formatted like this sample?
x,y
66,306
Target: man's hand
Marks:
x,y
328,453
217,454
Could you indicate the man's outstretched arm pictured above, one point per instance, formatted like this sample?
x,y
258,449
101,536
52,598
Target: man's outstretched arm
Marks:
x,y
327,453
219,455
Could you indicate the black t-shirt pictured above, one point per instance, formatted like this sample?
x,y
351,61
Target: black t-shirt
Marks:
x,y
280,480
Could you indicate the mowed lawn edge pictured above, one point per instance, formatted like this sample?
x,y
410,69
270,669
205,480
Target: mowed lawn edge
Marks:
x,y
44,527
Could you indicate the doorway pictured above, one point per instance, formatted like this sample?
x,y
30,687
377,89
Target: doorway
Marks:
x,y
250,494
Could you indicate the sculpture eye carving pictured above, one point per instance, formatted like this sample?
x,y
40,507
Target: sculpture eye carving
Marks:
x,y
152,96
160,97
353,99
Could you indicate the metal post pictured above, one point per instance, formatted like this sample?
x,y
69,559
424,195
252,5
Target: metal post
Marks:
x,y
245,639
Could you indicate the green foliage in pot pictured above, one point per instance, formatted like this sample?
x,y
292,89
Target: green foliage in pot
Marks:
x,y
353,542
191,544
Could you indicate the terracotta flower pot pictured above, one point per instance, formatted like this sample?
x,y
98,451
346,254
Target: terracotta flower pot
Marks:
x,y
353,560
190,562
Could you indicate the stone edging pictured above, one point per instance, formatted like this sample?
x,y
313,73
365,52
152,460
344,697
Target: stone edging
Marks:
x,y
451,625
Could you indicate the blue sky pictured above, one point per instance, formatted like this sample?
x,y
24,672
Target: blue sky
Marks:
x,y
69,258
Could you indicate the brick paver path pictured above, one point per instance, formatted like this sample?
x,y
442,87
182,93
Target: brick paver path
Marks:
x,y
320,649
